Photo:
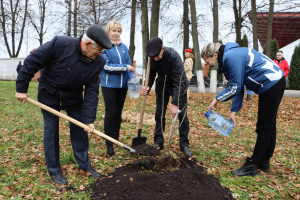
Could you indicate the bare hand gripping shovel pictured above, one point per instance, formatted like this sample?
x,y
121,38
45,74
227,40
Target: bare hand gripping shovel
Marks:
x,y
142,140
78,123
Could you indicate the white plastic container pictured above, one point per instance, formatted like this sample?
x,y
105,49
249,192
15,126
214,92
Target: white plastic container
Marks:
x,y
133,86
219,122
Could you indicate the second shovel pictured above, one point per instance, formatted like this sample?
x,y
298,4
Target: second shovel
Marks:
x,y
139,140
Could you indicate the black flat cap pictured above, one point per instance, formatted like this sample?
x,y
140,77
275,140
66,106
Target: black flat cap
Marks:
x,y
98,34
154,46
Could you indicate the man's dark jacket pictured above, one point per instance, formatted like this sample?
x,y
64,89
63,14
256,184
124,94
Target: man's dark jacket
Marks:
x,y
64,73
169,67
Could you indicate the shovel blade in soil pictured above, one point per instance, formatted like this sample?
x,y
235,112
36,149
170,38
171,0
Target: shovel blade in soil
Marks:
x,y
139,140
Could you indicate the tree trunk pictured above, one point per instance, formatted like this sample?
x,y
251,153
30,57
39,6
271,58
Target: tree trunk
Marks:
x,y
186,31
132,31
22,30
3,24
269,29
213,81
195,35
15,16
39,23
75,17
216,21
154,25
213,73
43,13
145,30
69,17
198,66
254,24
238,20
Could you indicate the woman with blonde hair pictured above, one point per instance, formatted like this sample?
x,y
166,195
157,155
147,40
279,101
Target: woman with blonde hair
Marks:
x,y
114,77
242,66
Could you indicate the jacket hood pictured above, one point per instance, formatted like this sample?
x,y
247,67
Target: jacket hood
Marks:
x,y
231,45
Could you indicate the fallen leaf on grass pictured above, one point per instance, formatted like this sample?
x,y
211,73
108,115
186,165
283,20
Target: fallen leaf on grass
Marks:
x,y
288,169
297,185
81,187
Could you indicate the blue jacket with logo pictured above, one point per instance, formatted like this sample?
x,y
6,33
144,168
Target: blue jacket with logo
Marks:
x,y
114,73
243,66
64,72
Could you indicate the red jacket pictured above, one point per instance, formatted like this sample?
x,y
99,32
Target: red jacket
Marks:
x,y
284,66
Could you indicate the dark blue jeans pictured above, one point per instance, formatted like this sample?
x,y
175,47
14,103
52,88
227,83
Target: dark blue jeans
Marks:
x,y
79,141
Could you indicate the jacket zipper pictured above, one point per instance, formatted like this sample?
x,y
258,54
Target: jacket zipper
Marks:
x,y
119,55
120,63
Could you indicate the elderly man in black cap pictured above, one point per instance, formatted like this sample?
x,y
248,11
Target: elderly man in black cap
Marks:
x,y
171,81
67,64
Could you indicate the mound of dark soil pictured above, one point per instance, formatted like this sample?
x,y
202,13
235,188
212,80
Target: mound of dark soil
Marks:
x,y
146,149
159,178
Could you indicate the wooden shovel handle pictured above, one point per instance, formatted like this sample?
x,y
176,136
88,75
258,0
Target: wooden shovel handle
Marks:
x,y
76,122
145,97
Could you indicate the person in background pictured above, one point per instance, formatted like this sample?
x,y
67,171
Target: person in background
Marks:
x,y
242,66
68,64
114,78
188,66
19,67
171,81
249,93
282,63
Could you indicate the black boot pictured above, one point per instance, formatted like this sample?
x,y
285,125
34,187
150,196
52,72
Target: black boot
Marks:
x,y
248,169
186,151
93,172
60,179
264,165
110,151
159,146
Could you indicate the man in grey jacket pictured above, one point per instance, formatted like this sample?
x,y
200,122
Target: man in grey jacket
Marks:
x,y
171,81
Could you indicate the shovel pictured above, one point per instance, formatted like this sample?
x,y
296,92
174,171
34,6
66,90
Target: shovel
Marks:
x,y
78,123
142,140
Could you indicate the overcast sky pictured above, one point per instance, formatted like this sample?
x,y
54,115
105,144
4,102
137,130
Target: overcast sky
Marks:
x,y
168,35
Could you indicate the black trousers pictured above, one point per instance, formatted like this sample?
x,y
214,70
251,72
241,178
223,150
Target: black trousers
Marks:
x,y
114,99
184,128
266,122
79,141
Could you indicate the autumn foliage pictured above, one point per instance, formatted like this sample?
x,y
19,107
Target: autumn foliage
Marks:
x,y
23,171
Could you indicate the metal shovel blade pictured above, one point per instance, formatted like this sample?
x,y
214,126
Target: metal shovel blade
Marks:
x,y
136,141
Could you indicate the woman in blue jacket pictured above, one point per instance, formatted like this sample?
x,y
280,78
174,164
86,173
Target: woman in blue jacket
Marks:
x,y
242,66
114,77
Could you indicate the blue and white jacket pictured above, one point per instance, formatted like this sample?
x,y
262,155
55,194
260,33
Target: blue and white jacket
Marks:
x,y
114,73
243,66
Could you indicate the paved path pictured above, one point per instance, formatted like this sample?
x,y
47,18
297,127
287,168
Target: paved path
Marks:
x,y
287,93
292,93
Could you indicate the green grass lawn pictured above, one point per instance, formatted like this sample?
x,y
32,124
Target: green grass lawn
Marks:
x,y
23,171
